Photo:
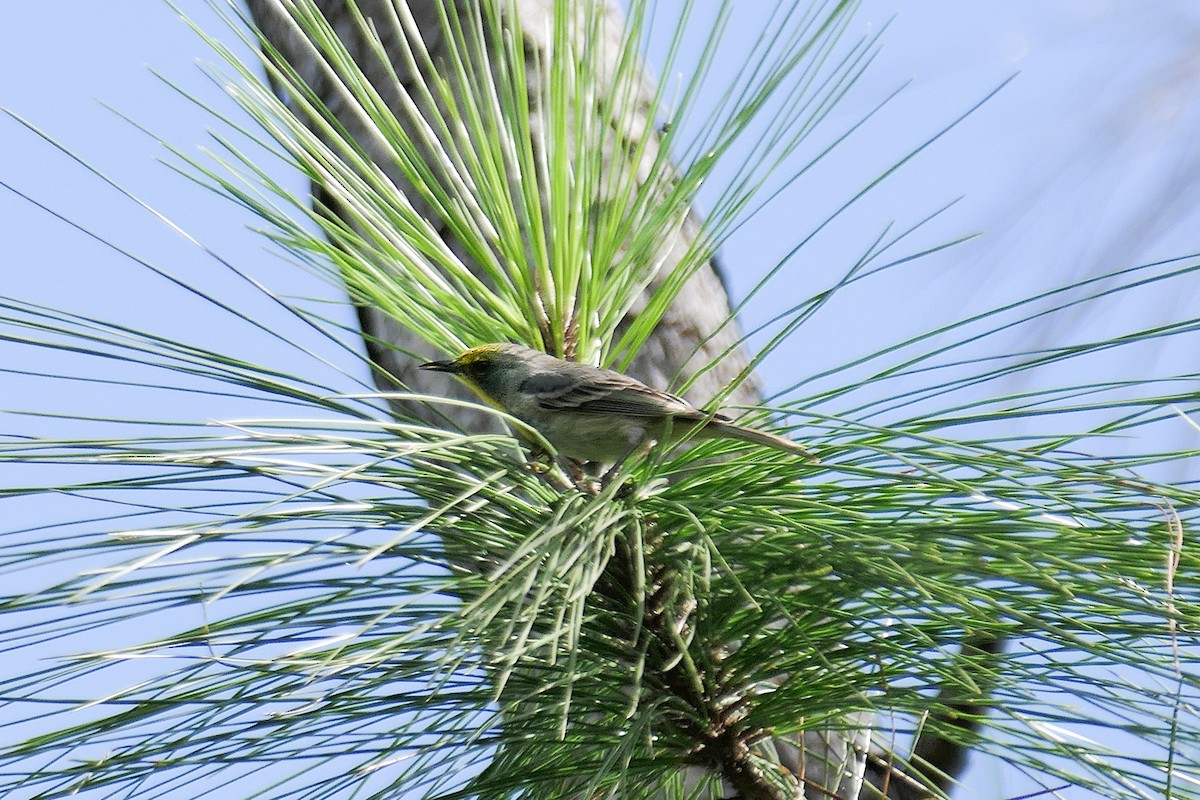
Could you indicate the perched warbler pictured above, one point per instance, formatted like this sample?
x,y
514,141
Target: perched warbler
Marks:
x,y
588,413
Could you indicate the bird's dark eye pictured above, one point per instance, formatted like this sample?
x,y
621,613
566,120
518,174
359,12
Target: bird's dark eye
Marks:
x,y
474,369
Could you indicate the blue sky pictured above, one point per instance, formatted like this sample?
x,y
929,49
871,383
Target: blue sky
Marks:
x,y
1085,162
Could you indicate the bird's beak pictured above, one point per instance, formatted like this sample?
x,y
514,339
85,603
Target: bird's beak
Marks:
x,y
440,366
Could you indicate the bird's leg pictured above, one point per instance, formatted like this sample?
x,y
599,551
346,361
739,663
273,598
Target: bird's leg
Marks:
x,y
541,464
641,448
582,479
576,471
539,461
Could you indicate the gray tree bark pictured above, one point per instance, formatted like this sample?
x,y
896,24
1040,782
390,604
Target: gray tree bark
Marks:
x,y
691,335
694,332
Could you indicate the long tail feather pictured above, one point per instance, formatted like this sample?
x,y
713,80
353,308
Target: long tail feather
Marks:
x,y
731,431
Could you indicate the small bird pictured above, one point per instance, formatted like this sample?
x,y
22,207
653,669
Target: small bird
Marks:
x,y
589,413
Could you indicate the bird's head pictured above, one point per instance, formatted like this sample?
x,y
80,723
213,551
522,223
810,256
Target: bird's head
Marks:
x,y
490,369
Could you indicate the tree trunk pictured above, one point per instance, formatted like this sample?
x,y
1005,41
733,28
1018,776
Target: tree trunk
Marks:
x,y
693,333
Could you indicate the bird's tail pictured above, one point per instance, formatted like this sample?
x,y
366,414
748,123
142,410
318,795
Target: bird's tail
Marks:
x,y
730,431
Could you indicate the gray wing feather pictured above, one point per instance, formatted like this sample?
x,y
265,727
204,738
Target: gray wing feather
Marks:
x,y
546,384
606,396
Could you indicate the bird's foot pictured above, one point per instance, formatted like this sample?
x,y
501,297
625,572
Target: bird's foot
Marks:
x,y
539,461
541,464
584,481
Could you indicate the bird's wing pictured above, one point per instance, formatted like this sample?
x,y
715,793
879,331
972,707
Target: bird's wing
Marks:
x,y
607,396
